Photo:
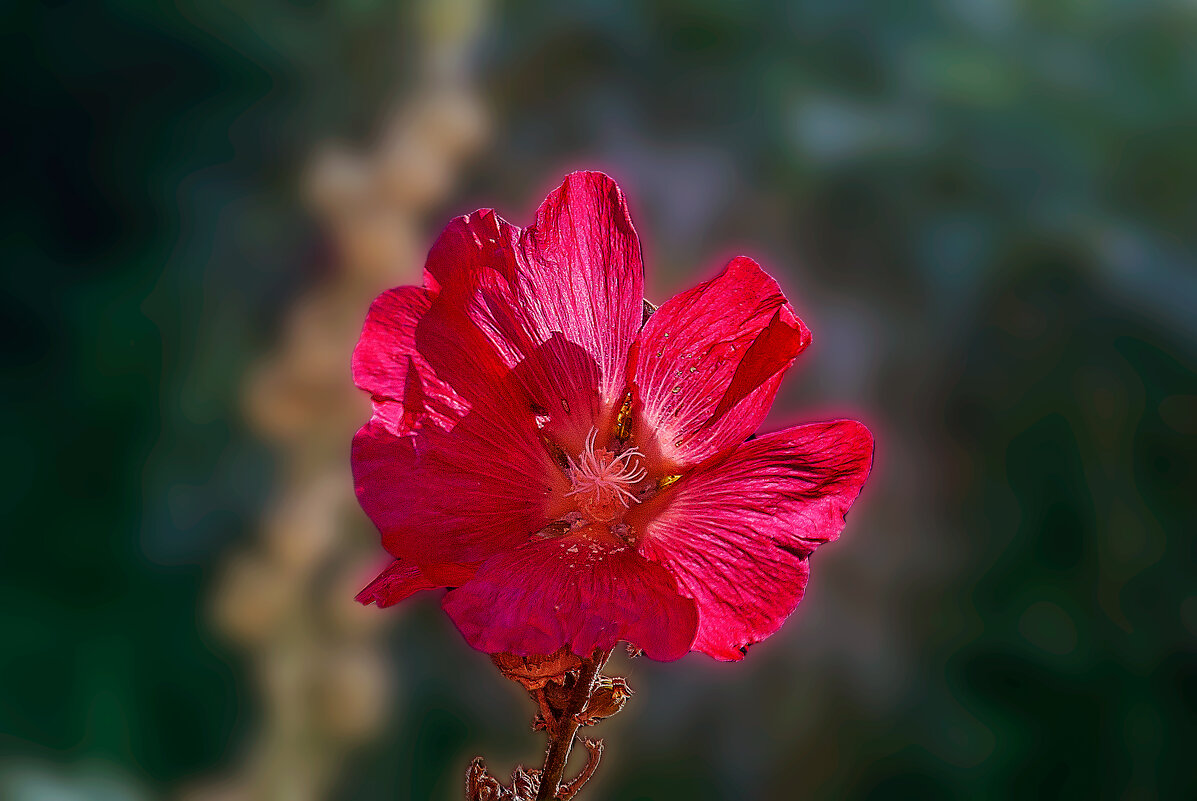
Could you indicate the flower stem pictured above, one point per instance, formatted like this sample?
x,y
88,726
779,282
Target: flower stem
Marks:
x,y
561,735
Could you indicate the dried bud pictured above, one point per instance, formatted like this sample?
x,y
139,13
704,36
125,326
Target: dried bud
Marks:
x,y
609,696
535,671
480,785
524,783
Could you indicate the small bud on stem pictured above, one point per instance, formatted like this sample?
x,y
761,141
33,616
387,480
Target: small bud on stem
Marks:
x,y
575,695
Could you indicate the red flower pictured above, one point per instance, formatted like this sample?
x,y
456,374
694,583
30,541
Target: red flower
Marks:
x,y
578,475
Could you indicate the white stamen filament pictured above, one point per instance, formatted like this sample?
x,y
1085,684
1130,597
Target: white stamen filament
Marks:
x,y
602,477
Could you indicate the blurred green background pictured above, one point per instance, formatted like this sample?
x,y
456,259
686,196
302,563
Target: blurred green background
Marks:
x,y
985,211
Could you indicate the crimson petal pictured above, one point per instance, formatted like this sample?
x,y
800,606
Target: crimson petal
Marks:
x,y
573,591
585,271
399,581
561,301
388,364
737,532
456,494
709,361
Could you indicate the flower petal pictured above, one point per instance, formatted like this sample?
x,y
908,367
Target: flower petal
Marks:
x,y
584,271
573,591
469,484
456,496
388,364
401,580
737,532
561,300
709,361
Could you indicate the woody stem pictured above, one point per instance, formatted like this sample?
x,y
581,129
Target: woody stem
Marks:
x,y
565,728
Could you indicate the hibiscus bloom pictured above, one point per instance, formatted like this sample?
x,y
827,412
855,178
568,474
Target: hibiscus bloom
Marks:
x,y
578,470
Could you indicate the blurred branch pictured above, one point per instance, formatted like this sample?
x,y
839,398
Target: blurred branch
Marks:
x,y
287,598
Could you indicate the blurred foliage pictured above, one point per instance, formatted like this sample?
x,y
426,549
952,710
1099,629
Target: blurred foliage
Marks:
x,y
986,206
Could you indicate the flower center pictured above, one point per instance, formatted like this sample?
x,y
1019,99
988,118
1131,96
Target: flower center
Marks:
x,y
602,480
